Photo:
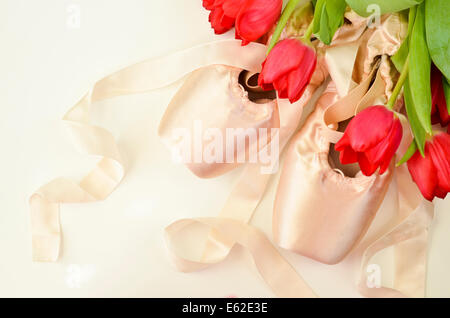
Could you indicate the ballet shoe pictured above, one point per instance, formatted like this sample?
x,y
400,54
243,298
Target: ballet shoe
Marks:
x,y
216,108
322,209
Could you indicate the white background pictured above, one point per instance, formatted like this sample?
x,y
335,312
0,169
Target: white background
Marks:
x,y
115,247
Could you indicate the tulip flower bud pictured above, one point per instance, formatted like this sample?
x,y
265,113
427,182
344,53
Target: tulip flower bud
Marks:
x,y
223,13
288,68
253,18
256,18
371,138
432,172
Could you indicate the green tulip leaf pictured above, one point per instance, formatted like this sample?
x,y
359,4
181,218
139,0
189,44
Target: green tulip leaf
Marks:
x,y
328,17
437,25
420,68
416,127
365,7
400,56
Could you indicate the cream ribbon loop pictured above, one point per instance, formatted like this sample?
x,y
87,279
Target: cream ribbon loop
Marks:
x,y
240,207
276,271
96,141
410,240
108,172
230,226
360,97
410,236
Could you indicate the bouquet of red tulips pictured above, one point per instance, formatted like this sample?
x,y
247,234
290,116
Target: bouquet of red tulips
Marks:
x,y
373,136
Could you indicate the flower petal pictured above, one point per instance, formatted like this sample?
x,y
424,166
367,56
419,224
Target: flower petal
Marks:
x,y
257,17
342,143
424,173
367,167
262,83
219,21
347,156
382,154
232,7
300,78
281,86
440,154
208,4
285,57
369,127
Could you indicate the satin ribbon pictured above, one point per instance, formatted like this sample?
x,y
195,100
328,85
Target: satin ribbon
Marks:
x,y
410,234
106,175
346,107
229,228
279,275
97,141
239,207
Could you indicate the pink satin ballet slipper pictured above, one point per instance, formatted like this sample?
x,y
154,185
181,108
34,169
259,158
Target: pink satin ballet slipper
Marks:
x,y
321,211
322,208
212,101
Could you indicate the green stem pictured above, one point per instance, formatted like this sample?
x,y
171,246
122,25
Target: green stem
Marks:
x,y
287,12
307,36
408,154
411,18
399,85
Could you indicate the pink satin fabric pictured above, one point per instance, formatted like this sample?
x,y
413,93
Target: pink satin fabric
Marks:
x,y
219,103
323,214
318,212
98,142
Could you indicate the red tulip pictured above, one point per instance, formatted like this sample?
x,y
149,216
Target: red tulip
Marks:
x,y
256,18
288,69
223,13
253,18
208,4
439,111
371,139
432,172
